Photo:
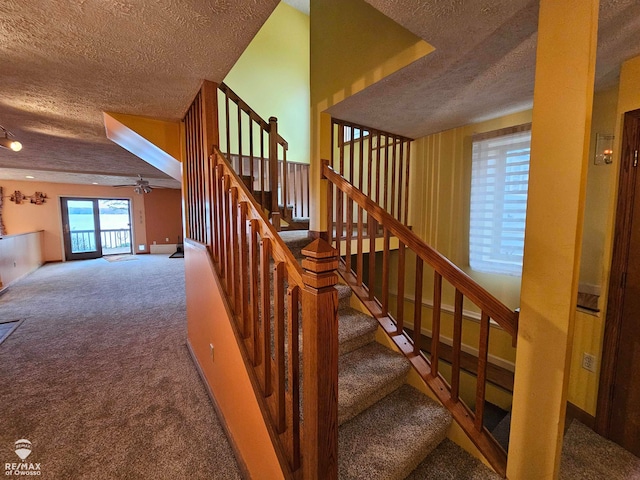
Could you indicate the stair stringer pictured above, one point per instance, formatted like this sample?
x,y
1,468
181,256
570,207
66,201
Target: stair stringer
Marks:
x,y
455,432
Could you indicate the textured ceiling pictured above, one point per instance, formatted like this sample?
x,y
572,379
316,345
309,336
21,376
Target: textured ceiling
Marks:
x,y
65,62
62,63
483,65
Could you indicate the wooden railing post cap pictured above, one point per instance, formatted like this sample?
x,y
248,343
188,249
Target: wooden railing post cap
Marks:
x,y
320,264
319,249
273,119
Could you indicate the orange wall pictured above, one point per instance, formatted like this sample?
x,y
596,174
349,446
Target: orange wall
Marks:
x,y
208,323
29,217
163,209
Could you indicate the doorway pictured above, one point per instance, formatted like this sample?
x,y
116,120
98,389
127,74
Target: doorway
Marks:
x,y
618,412
94,227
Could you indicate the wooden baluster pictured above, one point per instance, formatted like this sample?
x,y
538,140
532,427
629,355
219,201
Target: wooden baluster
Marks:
x,y
222,263
265,331
330,219
228,125
361,169
435,323
307,200
254,294
385,273
349,234
400,190
251,169
320,361
456,347
293,308
360,253
235,257
279,339
400,299
273,172
263,172
406,185
227,235
373,227
386,173
214,210
243,270
285,185
369,164
393,178
240,168
342,147
378,150
339,215
351,155
417,308
483,354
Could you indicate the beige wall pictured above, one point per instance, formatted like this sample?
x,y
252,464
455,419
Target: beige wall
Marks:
x,y
29,217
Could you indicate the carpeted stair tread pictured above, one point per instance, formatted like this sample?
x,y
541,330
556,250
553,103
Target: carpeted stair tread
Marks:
x,y
451,462
355,330
344,296
390,439
365,376
296,240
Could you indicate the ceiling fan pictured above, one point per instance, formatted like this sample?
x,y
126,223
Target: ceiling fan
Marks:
x,y
141,185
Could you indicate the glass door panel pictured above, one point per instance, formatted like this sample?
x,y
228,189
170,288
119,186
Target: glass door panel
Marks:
x,y
115,226
81,225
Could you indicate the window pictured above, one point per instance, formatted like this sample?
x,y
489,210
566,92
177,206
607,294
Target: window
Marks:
x,y
499,182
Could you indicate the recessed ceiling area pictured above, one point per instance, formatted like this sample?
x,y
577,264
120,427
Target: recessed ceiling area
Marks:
x,y
64,63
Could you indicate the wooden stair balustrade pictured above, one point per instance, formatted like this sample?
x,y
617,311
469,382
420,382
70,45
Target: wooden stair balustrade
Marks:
x,y
272,298
258,154
363,213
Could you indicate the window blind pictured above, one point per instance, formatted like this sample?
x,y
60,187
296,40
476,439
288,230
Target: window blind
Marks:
x,y
499,183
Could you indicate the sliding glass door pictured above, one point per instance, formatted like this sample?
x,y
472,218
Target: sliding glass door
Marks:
x,y
95,227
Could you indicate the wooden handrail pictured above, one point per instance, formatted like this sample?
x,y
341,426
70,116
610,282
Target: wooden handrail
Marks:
x,y
505,317
362,212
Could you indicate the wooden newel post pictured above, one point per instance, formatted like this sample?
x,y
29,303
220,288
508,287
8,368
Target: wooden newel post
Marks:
x,y
320,361
273,172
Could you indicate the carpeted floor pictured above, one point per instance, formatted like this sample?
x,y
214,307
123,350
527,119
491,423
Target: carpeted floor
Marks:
x,y
588,456
99,379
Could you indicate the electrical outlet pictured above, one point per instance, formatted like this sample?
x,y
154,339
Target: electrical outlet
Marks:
x,y
211,351
166,239
589,362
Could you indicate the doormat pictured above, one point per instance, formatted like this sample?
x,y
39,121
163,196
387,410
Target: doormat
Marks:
x,y
119,258
7,328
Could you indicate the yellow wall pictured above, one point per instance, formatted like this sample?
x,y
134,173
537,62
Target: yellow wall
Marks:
x,y
353,46
28,217
442,163
272,76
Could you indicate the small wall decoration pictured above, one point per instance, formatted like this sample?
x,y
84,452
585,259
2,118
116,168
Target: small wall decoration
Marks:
x,y
38,198
19,198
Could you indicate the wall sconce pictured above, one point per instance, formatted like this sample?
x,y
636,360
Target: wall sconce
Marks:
x,y
19,198
604,149
7,141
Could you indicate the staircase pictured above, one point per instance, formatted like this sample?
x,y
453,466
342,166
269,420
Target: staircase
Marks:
x,y
388,430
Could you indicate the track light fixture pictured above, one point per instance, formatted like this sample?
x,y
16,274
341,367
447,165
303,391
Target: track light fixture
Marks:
x,y
7,141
